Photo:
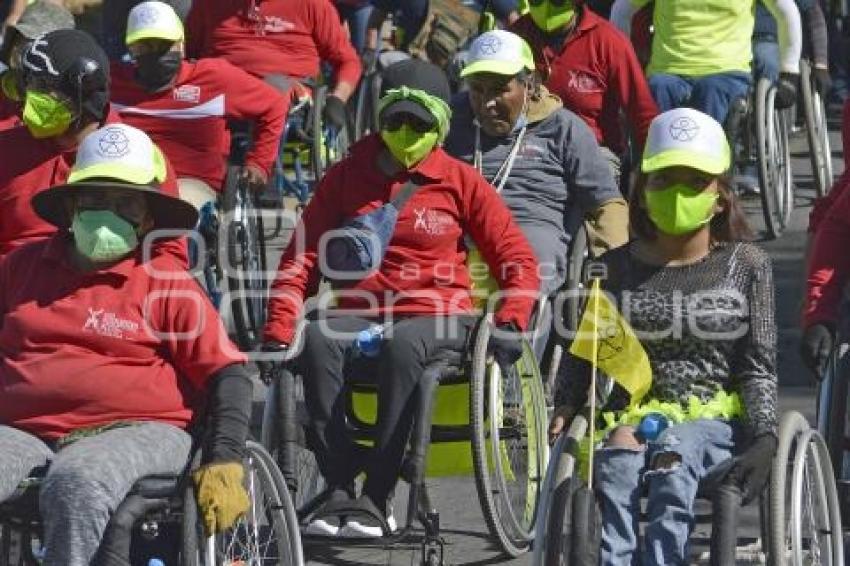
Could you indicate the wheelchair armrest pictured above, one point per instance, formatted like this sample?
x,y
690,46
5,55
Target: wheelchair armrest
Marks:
x,y
156,487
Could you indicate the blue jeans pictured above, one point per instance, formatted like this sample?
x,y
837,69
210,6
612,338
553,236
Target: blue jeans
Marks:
x,y
712,94
620,473
766,60
357,18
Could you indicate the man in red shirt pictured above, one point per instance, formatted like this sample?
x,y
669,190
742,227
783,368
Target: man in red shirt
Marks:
x,y
278,37
593,68
101,362
184,106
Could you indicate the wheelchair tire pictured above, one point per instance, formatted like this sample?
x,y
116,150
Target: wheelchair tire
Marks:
x,y
243,249
264,535
774,160
328,147
833,393
364,113
509,443
817,131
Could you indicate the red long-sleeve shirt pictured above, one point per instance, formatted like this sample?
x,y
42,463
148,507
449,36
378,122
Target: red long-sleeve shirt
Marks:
x,y
286,38
596,73
189,120
424,270
829,264
824,203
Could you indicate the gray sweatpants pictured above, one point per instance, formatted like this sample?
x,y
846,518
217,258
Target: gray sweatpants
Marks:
x,y
87,480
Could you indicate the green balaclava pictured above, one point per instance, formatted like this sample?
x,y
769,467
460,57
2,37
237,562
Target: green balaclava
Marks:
x,y
102,235
550,16
680,209
45,116
408,146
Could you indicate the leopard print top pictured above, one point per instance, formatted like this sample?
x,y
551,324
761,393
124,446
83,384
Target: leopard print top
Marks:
x,y
705,327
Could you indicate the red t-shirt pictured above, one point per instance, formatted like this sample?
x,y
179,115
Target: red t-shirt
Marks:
x,y
596,74
85,349
823,204
424,270
188,121
288,38
30,165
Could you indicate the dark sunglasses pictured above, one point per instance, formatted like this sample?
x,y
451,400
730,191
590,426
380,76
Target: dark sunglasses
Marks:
x,y
396,121
553,2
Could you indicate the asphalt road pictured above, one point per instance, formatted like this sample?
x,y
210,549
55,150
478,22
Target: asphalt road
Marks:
x,y
467,539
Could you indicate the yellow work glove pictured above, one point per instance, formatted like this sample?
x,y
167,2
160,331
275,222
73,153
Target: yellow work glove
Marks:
x,y
221,497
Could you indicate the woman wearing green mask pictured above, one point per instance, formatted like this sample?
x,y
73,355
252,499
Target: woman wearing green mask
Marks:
x,y
592,67
104,350
419,291
701,302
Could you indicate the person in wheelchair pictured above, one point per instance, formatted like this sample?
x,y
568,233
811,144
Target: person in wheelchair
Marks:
x,y
287,40
542,159
418,287
185,105
701,302
105,353
701,56
593,69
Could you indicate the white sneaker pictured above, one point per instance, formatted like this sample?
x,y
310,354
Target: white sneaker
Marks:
x,y
356,529
321,528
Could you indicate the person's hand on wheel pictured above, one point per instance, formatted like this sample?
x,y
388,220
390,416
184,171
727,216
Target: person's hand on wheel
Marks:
x,y
561,417
335,112
786,90
823,82
220,494
266,366
816,348
255,177
505,345
751,469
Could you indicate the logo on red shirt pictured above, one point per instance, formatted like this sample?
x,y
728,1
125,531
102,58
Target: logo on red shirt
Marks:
x,y
109,324
187,93
274,24
581,81
432,222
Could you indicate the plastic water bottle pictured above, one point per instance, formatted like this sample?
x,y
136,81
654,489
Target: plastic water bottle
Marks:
x,y
368,342
155,562
652,425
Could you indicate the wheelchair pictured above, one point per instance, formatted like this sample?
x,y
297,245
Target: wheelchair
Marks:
x,y
758,133
170,531
504,425
800,521
817,130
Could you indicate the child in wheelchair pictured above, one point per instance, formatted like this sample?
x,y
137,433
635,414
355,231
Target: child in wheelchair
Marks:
x,y
700,300
411,276
106,352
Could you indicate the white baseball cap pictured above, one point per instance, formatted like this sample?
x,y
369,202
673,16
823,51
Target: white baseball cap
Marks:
x,y
500,52
688,138
118,156
153,20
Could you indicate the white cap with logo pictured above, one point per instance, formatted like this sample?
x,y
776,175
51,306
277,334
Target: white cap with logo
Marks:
x,y
153,20
500,52
688,138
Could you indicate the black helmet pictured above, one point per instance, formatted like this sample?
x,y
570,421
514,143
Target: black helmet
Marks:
x,y
70,62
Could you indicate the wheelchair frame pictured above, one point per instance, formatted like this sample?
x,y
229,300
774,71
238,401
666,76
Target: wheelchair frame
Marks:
x,y
817,130
19,518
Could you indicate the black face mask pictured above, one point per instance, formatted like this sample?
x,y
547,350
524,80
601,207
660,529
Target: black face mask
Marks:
x,y
154,70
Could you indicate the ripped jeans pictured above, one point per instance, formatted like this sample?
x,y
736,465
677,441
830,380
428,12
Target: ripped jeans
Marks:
x,y
697,446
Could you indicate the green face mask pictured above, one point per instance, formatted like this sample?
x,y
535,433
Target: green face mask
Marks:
x,y
680,209
550,18
45,116
102,235
8,86
408,146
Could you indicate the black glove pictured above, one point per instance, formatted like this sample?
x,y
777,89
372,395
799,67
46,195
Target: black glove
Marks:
x,y
786,90
505,345
816,347
335,112
823,82
369,60
267,367
751,469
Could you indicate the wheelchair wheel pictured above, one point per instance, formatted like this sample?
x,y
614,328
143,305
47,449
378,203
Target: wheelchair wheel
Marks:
x,y
242,244
833,420
804,518
817,131
509,445
268,532
328,144
365,114
774,160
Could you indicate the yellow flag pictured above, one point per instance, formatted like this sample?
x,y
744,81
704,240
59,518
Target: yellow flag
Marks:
x,y
606,340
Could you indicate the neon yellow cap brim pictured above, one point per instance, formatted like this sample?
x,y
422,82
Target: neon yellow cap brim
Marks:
x,y
686,158
509,68
140,34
